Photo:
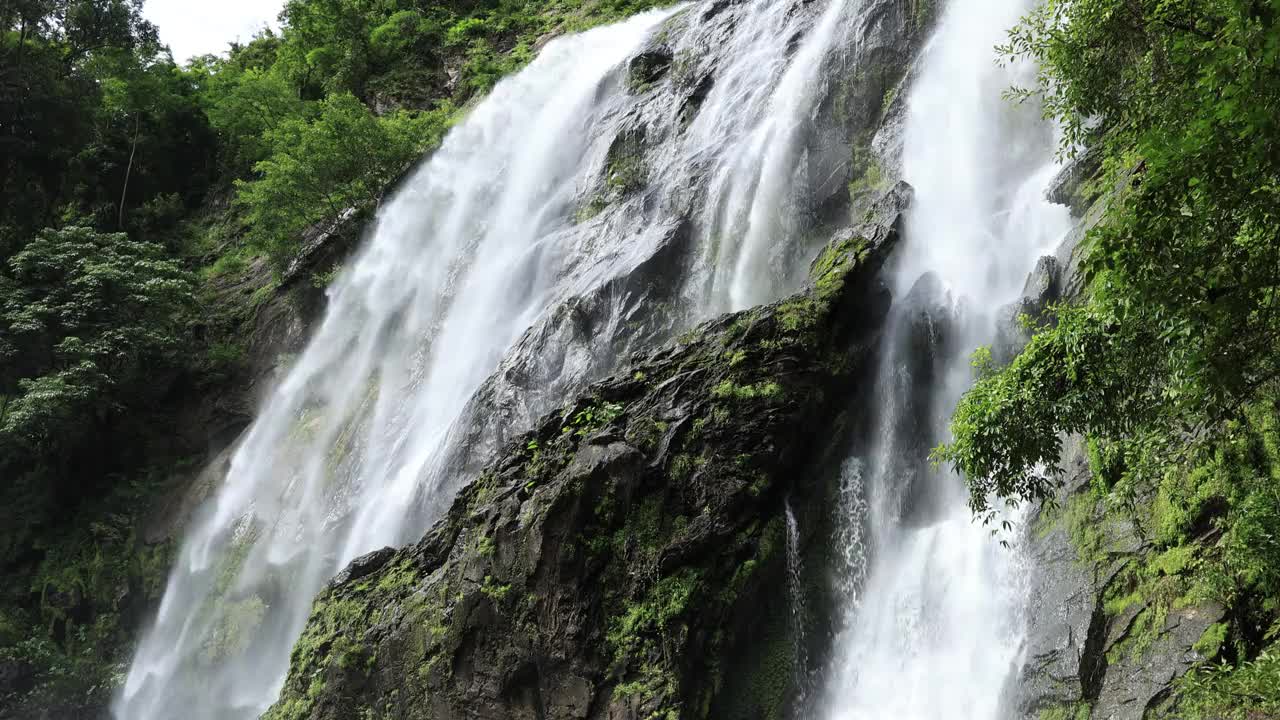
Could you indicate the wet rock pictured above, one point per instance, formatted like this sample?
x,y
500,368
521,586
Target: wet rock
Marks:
x,y
1042,289
576,343
922,352
1069,186
1078,653
363,565
1043,285
1064,607
649,67
606,564
692,102
1136,681
861,87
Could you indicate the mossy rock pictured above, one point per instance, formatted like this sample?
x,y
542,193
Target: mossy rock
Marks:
x,y
620,559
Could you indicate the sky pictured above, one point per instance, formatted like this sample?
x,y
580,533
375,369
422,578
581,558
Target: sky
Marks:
x,y
196,27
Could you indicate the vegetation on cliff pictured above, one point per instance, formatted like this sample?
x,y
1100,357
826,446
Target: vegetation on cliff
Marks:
x,y
1169,361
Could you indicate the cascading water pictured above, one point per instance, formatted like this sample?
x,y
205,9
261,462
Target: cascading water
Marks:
x,y
799,620
460,321
754,188
933,621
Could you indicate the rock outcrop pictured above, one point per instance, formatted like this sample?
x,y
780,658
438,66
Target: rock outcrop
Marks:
x,y
628,557
1095,648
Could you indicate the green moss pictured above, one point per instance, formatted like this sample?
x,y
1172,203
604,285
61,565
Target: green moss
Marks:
x,y
868,176
591,209
1116,605
1106,462
494,590
799,314
1074,711
238,622
683,67
1147,625
1212,640
773,676
331,639
481,490
759,484
1174,561
401,575
684,465
772,539
760,679
728,390
626,174
1086,533
646,632
833,265
921,11
235,261
696,430
645,433
890,96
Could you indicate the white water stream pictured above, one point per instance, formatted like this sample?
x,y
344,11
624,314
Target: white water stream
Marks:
x,y
934,622
466,269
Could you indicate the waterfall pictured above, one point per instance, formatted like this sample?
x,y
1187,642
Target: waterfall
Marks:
x,y
509,270
933,621
797,605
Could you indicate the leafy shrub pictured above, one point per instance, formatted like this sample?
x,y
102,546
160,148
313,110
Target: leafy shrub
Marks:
x,y
341,161
1171,361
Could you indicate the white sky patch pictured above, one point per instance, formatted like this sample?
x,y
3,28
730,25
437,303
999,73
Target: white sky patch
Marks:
x,y
196,27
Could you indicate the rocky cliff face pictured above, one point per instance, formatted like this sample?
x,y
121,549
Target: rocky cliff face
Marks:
x,y
1095,650
628,557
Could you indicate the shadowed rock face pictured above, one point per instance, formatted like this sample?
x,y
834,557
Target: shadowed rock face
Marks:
x,y
1013,321
625,559
921,352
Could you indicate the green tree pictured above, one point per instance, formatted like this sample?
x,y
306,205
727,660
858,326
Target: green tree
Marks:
x,y
1169,364
91,324
95,119
319,169
243,107
1179,331
150,139
327,44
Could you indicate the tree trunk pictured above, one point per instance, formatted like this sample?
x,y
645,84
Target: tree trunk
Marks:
x,y
137,126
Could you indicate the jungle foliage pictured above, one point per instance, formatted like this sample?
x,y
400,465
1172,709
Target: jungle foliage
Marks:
x,y
1169,362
